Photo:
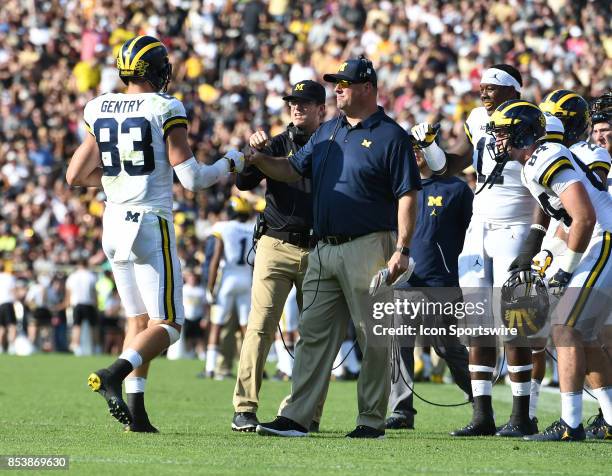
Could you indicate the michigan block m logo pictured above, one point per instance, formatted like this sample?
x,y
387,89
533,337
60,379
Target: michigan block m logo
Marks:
x,y
434,201
132,216
299,87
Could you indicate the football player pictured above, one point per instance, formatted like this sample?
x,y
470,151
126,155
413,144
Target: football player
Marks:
x,y
232,244
601,118
136,140
573,111
569,191
501,220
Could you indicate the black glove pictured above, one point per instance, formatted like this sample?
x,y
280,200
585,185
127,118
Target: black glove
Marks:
x,y
559,282
529,249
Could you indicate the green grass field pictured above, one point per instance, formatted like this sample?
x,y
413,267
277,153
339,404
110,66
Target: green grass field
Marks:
x,y
47,409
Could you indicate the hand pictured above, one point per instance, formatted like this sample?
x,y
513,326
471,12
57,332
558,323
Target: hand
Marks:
x,y
259,140
424,134
559,282
236,160
396,265
210,297
541,262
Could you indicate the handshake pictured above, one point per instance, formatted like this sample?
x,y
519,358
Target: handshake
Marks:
x,y
235,160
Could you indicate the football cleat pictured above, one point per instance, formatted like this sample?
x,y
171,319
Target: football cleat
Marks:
x,y
486,428
140,428
363,431
110,390
559,431
399,423
597,428
511,430
245,422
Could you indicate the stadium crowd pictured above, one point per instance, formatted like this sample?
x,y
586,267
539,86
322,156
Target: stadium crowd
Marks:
x,y
233,61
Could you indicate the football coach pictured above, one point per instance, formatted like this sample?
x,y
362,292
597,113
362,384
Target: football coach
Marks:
x,y
364,182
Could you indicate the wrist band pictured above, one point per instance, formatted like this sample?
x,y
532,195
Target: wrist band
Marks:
x,y
568,261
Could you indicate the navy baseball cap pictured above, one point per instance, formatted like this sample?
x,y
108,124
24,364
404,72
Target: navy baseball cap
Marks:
x,y
359,70
307,90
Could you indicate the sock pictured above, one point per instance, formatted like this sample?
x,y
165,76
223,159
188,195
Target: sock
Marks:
x,y
555,368
285,362
338,372
534,396
120,369
604,397
132,357
211,358
483,408
520,401
135,384
351,362
571,408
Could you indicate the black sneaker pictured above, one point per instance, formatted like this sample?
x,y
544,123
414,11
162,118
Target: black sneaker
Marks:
x,y
245,422
110,390
511,430
559,431
281,426
363,431
597,428
314,427
486,428
399,423
144,427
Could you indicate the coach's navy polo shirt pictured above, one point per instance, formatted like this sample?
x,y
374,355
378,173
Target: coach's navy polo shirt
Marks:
x,y
358,174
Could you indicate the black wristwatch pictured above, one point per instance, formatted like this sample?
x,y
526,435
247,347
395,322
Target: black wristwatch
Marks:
x,y
403,250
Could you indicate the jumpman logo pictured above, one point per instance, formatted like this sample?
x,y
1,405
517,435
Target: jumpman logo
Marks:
x,y
478,263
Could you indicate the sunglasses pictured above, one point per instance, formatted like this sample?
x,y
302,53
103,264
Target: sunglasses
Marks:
x,y
343,83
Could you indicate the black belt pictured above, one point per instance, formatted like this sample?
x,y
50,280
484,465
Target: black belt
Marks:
x,y
339,239
303,240
499,180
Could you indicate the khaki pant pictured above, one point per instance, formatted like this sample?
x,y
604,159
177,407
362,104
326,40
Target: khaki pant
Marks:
x,y
335,290
278,265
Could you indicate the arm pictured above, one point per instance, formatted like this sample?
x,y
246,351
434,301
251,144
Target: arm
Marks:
x,y
576,202
214,264
249,178
85,166
459,156
193,175
532,244
406,218
439,161
278,168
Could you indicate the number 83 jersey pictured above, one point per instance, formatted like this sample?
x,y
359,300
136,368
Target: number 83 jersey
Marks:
x,y
551,169
131,130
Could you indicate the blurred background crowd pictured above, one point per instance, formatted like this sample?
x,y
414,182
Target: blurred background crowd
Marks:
x,y
233,61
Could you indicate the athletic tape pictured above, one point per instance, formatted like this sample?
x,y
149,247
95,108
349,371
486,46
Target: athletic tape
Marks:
x,y
519,368
481,368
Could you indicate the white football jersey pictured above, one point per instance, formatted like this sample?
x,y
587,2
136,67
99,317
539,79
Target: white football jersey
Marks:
x,y
540,171
237,238
596,158
131,130
508,201
194,299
